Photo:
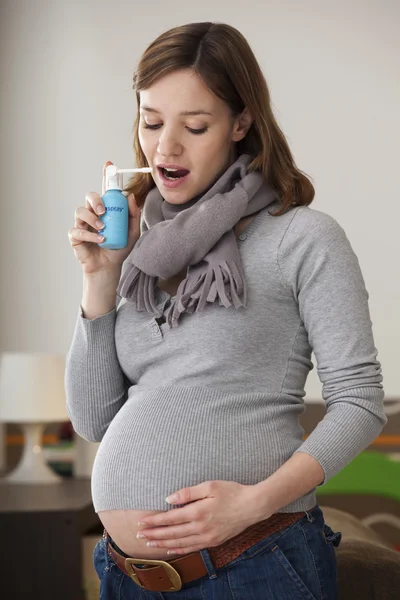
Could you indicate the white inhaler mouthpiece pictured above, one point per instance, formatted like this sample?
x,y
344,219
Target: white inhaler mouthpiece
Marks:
x,y
113,179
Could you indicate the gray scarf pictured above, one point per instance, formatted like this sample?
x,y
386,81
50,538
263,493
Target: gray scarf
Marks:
x,y
198,235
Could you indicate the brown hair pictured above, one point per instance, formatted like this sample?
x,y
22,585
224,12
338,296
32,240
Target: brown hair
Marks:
x,y
222,57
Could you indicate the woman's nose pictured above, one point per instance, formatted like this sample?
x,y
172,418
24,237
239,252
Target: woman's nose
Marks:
x,y
169,144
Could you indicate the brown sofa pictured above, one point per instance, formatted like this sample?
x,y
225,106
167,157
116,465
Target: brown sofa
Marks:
x,y
368,565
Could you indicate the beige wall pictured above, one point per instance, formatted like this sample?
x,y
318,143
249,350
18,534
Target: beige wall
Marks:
x,y
67,106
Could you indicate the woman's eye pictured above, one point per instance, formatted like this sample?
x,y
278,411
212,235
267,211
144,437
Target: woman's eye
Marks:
x,y
198,131
194,131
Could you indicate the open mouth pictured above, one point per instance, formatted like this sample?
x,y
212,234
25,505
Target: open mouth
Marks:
x,y
173,174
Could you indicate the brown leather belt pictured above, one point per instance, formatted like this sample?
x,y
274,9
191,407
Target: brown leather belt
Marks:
x,y
169,575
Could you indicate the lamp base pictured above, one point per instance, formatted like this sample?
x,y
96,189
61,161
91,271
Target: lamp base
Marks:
x,y
32,467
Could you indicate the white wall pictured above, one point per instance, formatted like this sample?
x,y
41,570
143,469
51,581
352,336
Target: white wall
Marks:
x,y
67,106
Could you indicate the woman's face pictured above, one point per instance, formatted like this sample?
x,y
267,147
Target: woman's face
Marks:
x,y
183,125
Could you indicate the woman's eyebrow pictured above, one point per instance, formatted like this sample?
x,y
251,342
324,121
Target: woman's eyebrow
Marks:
x,y
185,113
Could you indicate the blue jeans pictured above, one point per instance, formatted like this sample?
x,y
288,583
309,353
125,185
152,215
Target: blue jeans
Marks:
x,y
297,562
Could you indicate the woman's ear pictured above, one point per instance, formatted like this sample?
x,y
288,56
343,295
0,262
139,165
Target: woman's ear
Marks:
x,y
241,126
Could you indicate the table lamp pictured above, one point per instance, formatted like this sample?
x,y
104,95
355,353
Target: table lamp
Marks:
x,y
32,394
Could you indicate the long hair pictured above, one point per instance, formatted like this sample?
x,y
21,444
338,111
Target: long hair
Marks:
x,y
223,59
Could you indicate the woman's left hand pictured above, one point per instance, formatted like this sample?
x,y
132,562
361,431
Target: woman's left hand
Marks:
x,y
214,512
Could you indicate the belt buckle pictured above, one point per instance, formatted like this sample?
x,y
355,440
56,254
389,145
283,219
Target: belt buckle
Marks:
x,y
173,575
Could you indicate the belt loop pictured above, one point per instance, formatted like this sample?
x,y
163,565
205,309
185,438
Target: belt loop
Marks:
x,y
309,516
208,563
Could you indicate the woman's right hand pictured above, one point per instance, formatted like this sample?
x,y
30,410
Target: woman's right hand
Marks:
x,y
84,236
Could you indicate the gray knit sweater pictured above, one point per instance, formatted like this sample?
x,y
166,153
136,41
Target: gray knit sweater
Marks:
x,y
219,397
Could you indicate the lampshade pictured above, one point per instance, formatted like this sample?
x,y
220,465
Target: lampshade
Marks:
x,y
32,388
32,394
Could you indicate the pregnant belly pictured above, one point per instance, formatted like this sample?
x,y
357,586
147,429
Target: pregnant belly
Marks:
x,y
162,441
122,526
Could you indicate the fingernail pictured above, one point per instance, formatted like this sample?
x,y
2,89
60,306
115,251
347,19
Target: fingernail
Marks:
x,y
100,209
140,536
100,224
152,544
101,238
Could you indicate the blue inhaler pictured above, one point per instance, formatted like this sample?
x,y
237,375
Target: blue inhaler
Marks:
x,y
116,217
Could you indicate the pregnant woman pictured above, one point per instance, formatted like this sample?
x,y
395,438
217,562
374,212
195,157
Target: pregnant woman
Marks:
x,y
193,344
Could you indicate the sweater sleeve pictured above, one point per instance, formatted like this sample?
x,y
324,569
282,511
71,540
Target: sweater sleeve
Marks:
x,y
96,387
322,271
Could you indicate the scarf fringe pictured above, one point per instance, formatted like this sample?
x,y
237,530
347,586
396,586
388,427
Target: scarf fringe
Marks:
x,y
140,289
221,282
